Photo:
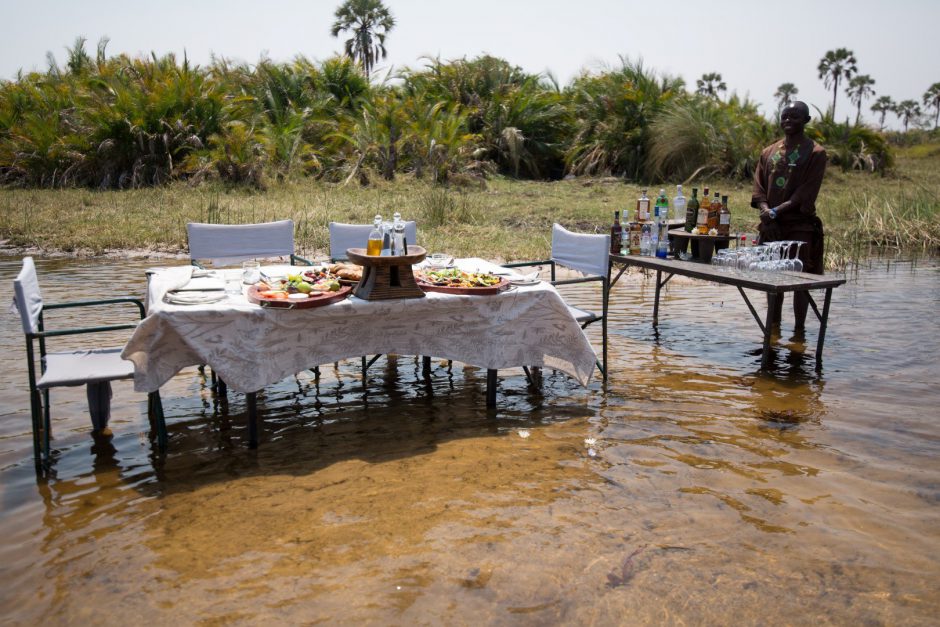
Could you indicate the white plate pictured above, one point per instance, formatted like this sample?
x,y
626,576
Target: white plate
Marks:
x,y
525,281
194,298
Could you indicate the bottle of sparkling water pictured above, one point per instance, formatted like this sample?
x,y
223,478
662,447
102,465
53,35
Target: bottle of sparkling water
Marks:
x,y
398,235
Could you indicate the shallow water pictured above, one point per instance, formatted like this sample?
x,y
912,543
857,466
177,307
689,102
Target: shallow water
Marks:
x,y
713,494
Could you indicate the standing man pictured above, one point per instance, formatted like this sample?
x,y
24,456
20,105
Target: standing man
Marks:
x,y
786,183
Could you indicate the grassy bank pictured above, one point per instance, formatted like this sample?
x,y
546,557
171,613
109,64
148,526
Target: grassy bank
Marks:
x,y
504,219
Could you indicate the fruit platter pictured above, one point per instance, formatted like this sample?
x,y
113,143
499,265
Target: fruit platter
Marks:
x,y
312,288
456,281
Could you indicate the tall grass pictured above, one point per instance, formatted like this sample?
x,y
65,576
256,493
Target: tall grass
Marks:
x,y
506,219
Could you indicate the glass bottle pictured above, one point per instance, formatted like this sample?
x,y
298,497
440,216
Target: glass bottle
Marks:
x,y
646,241
691,211
701,221
616,234
643,208
678,205
635,237
714,209
662,247
662,207
374,244
724,218
398,235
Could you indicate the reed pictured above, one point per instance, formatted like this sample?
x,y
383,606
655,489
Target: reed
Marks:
x,y
505,219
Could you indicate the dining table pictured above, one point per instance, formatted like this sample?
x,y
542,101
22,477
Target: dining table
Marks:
x,y
250,346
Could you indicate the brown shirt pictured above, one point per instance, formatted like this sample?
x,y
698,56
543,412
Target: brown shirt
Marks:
x,y
795,176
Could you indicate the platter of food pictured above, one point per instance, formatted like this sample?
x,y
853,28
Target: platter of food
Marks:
x,y
311,289
345,272
456,281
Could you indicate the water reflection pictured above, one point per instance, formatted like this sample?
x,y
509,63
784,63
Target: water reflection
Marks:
x,y
717,492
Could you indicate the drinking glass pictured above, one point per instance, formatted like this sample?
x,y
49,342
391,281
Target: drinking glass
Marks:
x,y
251,272
233,285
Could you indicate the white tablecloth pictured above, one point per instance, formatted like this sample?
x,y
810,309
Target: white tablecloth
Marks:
x,y
251,347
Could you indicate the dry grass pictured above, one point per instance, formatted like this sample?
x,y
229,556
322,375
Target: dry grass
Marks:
x,y
505,219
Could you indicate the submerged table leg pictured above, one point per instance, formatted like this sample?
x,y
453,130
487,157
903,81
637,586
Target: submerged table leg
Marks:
x,y
659,275
252,400
823,320
768,329
490,388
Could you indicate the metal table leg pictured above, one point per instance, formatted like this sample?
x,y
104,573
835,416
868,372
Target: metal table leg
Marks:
x,y
490,388
823,320
252,400
768,329
659,275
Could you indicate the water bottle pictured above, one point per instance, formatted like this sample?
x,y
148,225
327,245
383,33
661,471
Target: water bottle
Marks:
x,y
398,235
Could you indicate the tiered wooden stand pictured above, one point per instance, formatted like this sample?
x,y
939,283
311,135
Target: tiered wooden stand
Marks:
x,y
385,278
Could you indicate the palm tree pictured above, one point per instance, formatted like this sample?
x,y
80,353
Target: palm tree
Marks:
x,y
860,88
908,110
784,95
836,65
883,106
369,21
932,99
710,84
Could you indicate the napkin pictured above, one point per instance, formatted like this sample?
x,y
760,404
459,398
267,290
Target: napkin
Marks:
x,y
194,298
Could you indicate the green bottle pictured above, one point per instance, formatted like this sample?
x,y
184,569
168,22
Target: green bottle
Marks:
x,y
691,211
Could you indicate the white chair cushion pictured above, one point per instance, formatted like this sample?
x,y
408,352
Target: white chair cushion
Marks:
x,y
585,253
229,243
85,366
345,236
27,297
582,315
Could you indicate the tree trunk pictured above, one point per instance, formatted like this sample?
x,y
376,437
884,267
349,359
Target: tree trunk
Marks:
x,y
835,90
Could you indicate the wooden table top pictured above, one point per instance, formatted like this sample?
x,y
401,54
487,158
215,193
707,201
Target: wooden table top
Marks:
x,y
765,281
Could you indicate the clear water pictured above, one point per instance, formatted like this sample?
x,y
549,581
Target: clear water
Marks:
x,y
713,494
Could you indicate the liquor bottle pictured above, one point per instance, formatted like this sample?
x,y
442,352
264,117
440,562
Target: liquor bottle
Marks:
x,y
635,237
662,207
701,221
678,205
374,243
643,208
662,247
616,235
691,211
724,218
646,241
714,209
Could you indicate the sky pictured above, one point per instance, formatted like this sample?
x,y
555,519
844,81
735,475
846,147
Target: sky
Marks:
x,y
755,46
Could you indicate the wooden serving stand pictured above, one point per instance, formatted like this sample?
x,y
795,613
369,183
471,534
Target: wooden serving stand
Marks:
x,y
390,277
702,245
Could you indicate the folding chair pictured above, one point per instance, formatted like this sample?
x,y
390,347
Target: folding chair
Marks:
x,y
589,255
94,368
225,244
344,236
